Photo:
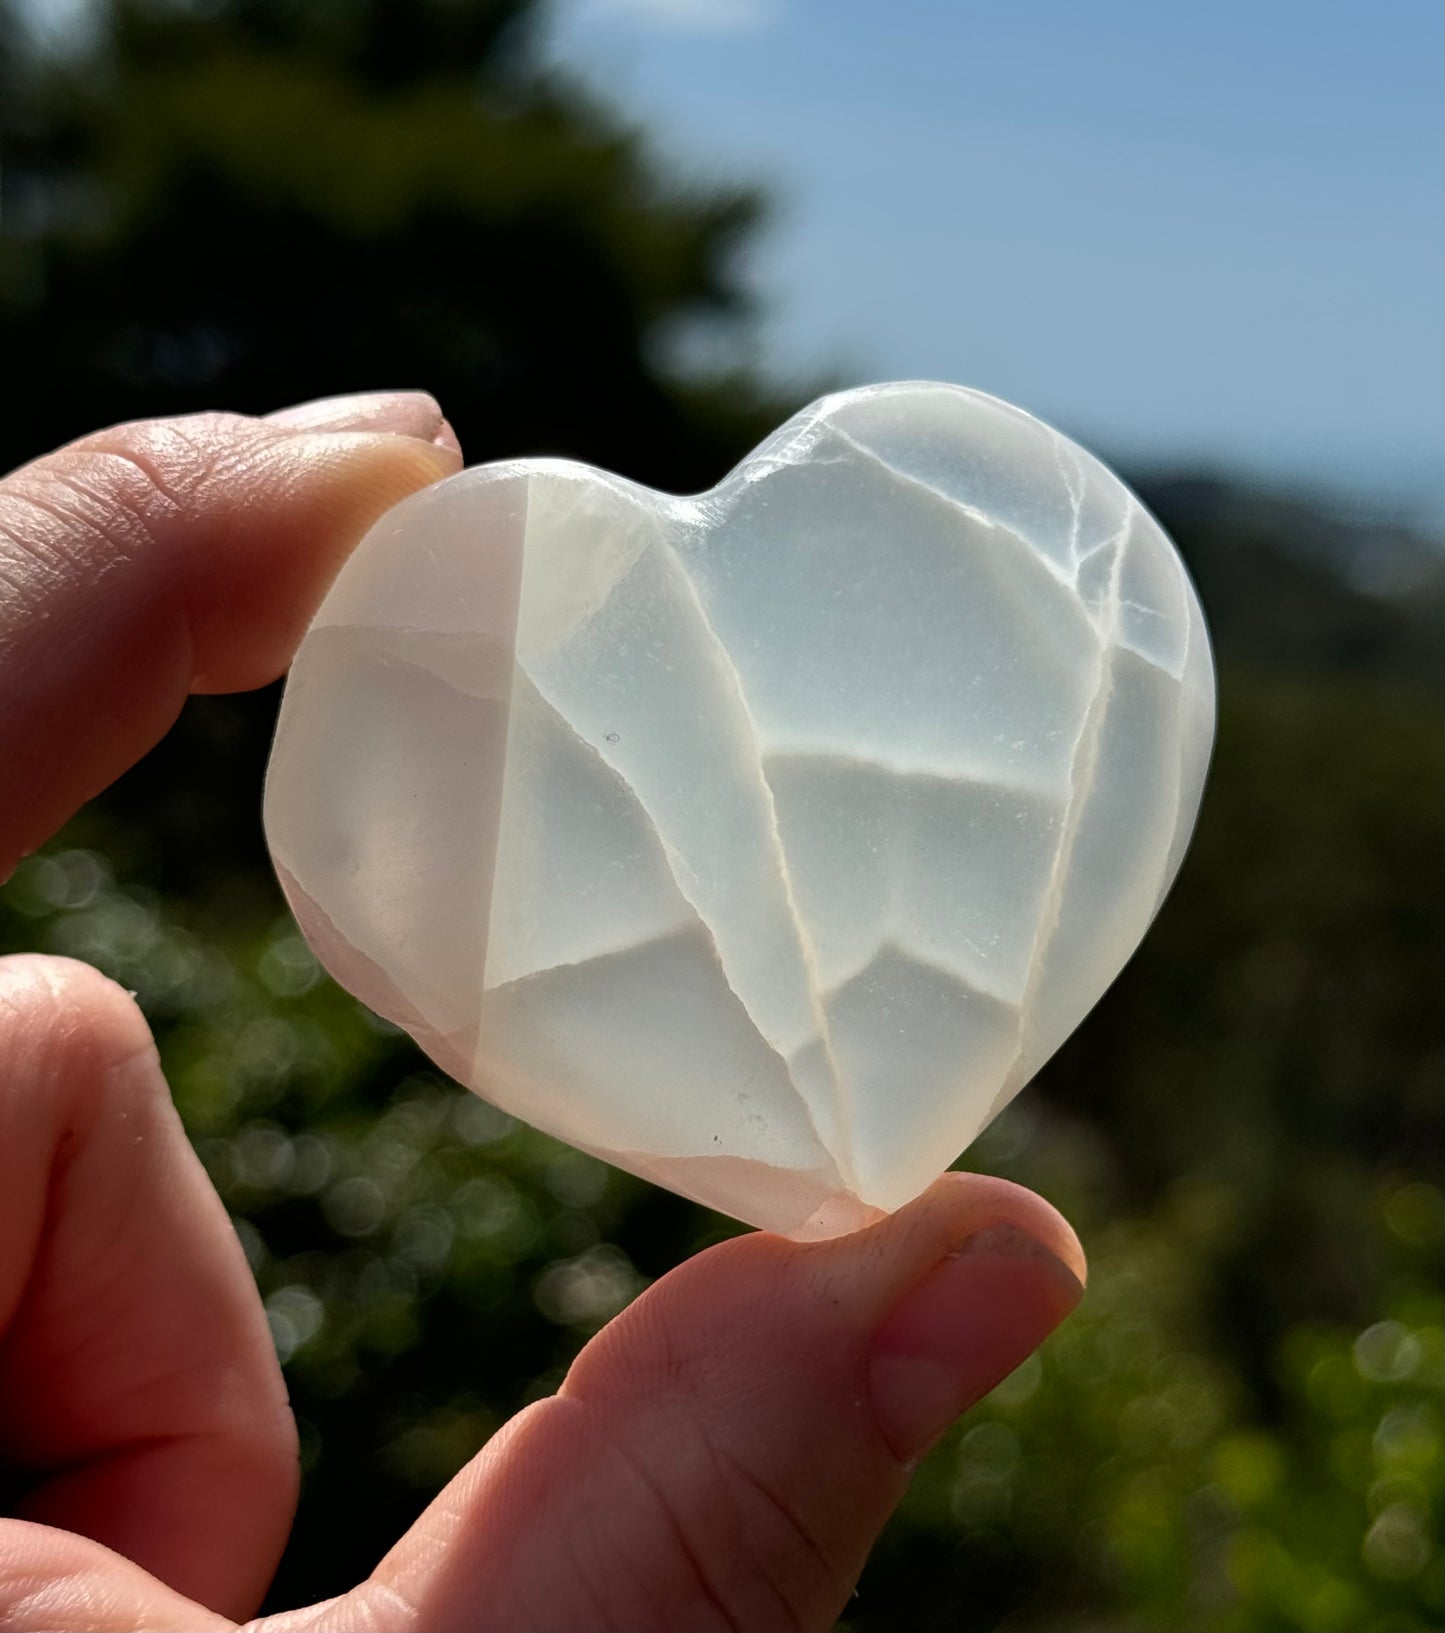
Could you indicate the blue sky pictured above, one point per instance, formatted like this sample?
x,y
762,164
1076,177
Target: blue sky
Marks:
x,y
1198,233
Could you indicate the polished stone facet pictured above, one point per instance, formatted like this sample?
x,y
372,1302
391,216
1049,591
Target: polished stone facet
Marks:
x,y
765,842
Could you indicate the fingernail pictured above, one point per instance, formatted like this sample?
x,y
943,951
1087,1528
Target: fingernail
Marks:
x,y
962,1330
447,438
404,413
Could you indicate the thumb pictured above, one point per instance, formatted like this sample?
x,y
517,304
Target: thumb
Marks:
x,y
169,556
725,1453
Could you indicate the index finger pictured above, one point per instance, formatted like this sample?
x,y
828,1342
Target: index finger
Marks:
x,y
170,556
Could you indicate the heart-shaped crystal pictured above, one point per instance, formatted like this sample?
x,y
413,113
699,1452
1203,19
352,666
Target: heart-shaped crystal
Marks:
x,y
766,842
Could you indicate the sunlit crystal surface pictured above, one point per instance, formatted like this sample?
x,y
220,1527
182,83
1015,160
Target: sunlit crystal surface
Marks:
x,y
764,842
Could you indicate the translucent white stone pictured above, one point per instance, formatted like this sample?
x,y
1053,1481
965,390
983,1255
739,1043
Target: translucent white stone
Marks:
x,y
765,842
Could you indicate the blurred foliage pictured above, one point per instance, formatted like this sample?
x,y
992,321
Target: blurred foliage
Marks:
x,y
245,203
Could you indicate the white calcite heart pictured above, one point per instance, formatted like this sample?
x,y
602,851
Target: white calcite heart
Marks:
x,y
765,842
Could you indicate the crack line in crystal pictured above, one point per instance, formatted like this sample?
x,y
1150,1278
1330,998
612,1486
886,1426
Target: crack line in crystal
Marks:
x,y
1166,877
1106,544
648,823
844,1158
1063,449
1042,793
1148,657
1145,658
583,480
908,479
671,860
1084,768
1149,612
889,941
776,452
888,853
384,634
514,981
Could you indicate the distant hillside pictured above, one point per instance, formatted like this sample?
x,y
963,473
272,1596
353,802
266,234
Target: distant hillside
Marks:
x,y
1292,584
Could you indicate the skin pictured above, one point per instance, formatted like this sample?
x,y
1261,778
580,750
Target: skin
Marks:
x,y
721,1456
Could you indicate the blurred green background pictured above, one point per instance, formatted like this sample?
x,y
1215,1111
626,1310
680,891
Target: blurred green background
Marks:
x,y
248,203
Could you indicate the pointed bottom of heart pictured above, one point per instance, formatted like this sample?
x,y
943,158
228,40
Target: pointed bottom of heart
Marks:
x,y
806,1206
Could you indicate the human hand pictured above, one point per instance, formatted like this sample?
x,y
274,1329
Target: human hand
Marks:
x,y
721,1456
